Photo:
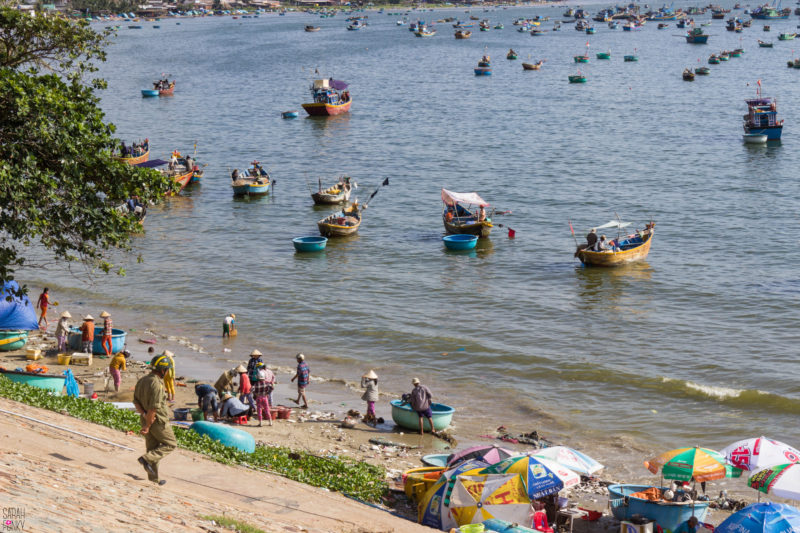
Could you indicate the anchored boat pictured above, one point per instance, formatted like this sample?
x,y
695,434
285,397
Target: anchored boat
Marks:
x,y
341,224
696,36
137,153
619,251
459,214
252,182
762,116
336,194
331,97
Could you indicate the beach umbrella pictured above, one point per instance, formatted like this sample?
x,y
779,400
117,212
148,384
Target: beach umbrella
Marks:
x,y
487,453
541,476
698,464
779,480
434,506
572,459
755,453
764,517
481,497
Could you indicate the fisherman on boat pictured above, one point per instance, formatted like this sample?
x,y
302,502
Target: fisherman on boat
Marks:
x,y
235,174
591,239
601,245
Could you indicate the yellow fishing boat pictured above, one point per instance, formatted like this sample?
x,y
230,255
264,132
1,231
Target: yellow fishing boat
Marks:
x,y
619,251
341,224
135,160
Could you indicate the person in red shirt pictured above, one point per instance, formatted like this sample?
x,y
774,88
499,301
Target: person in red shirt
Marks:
x,y
42,303
245,389
87,333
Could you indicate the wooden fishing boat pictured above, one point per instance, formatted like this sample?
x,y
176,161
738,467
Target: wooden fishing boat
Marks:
x,y
590,30
724,56
713,59
312,28
787,36
169,91
331,97
737,53
628,249
148,93
484,67
577,78
766,28
581,59
603,55
135,160
459,217
511,55
181,172
762,116
252,182
763,44
702,71
688,75
696,36
663,25
342,223
537,32
461,34
423,30
630,58
533,66
336,194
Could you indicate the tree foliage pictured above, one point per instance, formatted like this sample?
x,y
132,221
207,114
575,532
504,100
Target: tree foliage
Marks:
x,y
59,185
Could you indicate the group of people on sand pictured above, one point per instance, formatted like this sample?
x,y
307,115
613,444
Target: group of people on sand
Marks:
x,y
232,400
136,149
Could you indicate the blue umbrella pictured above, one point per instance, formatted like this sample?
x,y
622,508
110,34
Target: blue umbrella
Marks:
x,y
764,517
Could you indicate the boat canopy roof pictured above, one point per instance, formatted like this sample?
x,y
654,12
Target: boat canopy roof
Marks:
x,y
153,163
614,224
469,198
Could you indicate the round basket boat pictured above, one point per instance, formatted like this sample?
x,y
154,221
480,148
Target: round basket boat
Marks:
x,y
147,93
289,114
460,242
309,244
12,340
625,502
117,340
228,436
404,416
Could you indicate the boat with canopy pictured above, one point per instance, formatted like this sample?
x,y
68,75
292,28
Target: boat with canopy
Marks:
x,y
181,170
336,194
331,97
624,249
464,213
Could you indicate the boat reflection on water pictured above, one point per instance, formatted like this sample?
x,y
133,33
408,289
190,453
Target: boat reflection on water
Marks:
x,y
608,288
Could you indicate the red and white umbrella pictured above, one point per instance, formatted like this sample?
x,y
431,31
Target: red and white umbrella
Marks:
x,y
756,453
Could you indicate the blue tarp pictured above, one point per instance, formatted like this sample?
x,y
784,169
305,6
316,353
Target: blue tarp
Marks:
x,y
153,163
17,313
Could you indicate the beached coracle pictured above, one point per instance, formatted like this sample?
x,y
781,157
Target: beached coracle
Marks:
x,y
459,214
404,416
118,337
226,435
50,382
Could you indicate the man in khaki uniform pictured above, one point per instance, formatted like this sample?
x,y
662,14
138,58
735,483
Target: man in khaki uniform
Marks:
x,y
149,398
225,382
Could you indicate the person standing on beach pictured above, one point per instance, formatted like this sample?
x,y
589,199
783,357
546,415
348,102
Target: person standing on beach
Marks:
x,y
150,403
107,332
87,334
62,331
252,365
224,382
169,378
302,376
261,391
245,388
369,381
115,368
421,403
42,303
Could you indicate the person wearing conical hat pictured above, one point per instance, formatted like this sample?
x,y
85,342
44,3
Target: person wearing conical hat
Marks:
x,y
169,377
115,367
62,331
246,388
252,365
369,381
108,330
228,325
87,334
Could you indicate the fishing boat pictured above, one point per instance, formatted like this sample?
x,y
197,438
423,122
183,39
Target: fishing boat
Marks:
x,y
330,96
533,66
335,194
604,55
763,44
622,250
724,56
118,337
702,71
786,36
484,67
696,36
793,63
136,154
737,53
423,30
713,59
630,58
168,90
632,26
289,114
356,25
762,116
461,34
511,55
312,28
537,32
766,28
577,78
662,26
627,501
12,340
581,59
767,12
341,223
254,181
613,25
590,30
459,214
149,93
499,26
688,75
181,171
49,382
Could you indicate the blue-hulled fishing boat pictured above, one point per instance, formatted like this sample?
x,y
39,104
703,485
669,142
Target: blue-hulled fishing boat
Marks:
x,y
484,67
762,116
252,182
766,12
148,93
668,515
49,382
404,416
696,36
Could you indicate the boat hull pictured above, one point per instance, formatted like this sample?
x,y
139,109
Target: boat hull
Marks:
x,y
667,515
340,224
135,160
183,180
117,340
481,229
49,382
330,199
483,71
611,259
326,110
13,340
697,39
149,93
773,134
226,435
404,416
532,66
166,92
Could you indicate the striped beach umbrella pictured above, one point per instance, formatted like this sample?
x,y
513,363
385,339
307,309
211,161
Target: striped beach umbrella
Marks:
x,y
687,464
541,476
